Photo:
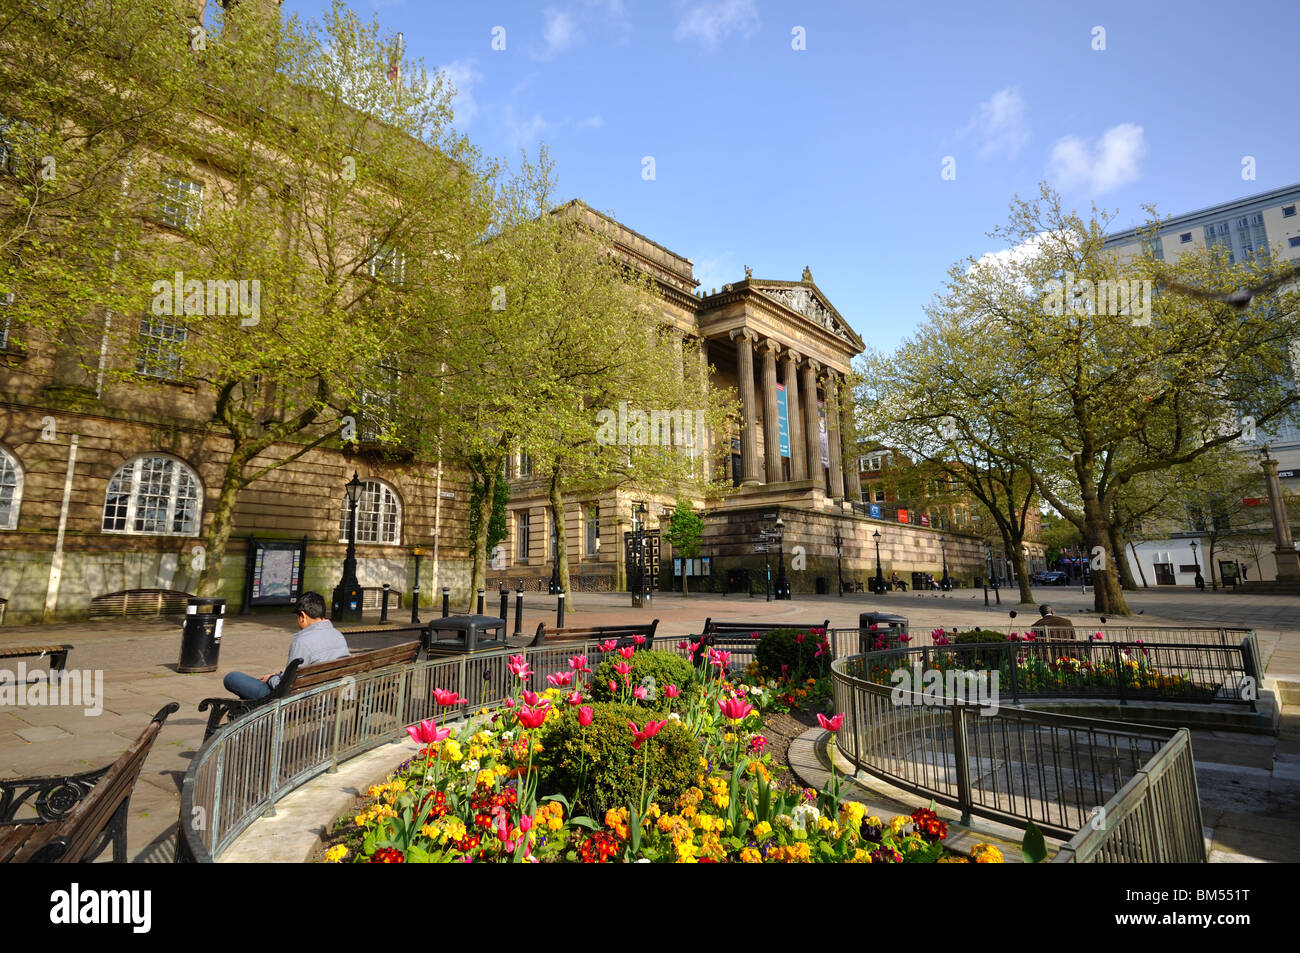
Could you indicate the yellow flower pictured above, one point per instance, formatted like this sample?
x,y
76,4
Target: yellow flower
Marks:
x,y
749,855
860,857
897,824
451,750
762,829
952,859
985,854
336,854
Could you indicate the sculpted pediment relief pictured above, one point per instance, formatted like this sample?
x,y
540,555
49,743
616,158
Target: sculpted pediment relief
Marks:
x,y
805,302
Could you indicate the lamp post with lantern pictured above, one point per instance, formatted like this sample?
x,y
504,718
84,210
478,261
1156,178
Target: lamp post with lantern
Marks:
x,y
347,594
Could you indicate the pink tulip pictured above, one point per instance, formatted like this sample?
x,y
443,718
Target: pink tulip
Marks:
x,y
651,729
1097,637
575,698
735,708
695,648
585,715
800,637
526,823
608,645
579,664
753,635
622,668
533,717
510,703
560,679
427,732
683,645
613,686
639,639
639,693
672,691
830,724
531,698
720,659
520,668
444,697
627,651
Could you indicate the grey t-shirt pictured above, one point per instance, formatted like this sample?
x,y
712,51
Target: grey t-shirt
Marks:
x,y
318,642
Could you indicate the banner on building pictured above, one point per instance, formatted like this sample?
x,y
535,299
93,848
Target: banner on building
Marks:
x,y
821,431
783,420
876,511
925,519
902,516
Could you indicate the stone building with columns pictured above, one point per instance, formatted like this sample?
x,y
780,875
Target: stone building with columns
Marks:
x,y
786,351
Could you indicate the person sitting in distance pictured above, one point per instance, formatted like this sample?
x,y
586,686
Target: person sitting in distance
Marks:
x,y
1052,625
316,641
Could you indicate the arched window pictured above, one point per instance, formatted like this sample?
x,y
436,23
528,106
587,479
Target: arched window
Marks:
x,y
157,496
11,489
379,515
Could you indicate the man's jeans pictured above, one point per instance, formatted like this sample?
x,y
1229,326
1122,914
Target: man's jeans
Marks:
x,y
246,686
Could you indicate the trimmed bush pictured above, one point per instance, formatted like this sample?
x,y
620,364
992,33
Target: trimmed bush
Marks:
x,y
612,765
990,658
778,647
664,667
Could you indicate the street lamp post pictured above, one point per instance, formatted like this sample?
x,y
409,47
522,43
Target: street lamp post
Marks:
x,y
993,582
638,550
1196,562
782,587
347,594
1284,552
944,584
839,559
879,584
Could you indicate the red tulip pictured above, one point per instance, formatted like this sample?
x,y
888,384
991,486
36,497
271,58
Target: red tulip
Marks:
x,y
800,637
720,659
585,715
639,639
520,667
608,645
672,691
830,724
533,717
735,708
560,679
444,697
427,732
575,698
651,729
613,685
627,651
622,668
531,698
526,823
683,645
579,663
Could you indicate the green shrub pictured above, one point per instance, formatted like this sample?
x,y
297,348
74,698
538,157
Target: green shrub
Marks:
x,y
612,765
990,658
778,647
664,667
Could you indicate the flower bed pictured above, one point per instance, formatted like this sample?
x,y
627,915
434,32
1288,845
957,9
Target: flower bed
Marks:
x,y
672,773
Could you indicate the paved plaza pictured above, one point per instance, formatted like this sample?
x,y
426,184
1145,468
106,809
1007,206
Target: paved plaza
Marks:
x,y
1249,784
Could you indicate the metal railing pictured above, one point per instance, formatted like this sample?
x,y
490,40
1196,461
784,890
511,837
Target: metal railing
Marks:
x,y
248,765
1073,777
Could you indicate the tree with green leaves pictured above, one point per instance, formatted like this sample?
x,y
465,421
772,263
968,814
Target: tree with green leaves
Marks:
x,y
685,534
1046,359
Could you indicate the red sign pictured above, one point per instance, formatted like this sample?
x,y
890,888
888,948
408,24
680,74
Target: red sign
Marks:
x,y
902,516
1253,501
925,519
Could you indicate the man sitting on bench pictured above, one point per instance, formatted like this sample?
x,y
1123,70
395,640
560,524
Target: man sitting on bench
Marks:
x,y
317,641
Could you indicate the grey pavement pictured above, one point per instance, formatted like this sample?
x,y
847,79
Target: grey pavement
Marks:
x,y
1250,789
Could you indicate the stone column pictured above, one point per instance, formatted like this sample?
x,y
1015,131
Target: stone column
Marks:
x,y
849,443
705,448
744,339
1288,560
771,425
833,435
812,441
798,453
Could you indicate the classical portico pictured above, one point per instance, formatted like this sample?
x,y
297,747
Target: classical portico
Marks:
x,y
789,436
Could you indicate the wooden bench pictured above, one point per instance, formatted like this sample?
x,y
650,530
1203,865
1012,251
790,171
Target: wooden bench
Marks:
x,y
623,634
297,679
58,654
738,635
77,815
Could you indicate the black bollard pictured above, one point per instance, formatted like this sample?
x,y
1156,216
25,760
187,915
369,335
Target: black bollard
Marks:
x,y
480,602
519,610
559,610
505,603
383,608
446,601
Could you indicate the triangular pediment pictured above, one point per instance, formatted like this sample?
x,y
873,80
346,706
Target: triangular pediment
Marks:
x,y
805,298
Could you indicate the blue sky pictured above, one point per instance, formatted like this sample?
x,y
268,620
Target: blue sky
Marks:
x,y
831,156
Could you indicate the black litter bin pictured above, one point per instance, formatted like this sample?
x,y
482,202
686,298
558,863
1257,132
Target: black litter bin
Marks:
x,y
459,634
201,637
888,629
823,585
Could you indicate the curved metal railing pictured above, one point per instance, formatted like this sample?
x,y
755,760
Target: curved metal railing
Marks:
x,y
1113,790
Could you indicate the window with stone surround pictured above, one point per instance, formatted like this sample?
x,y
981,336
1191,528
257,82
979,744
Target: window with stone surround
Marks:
x,y
379,515
162,338
180,203
11,489
153,496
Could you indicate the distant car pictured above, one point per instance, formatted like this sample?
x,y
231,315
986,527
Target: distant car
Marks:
x,y
1054,578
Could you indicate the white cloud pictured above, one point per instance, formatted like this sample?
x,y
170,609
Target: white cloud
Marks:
x,y
521,133
560,31
1016,254
711,22
1102,166
713,273
999,126
462,75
